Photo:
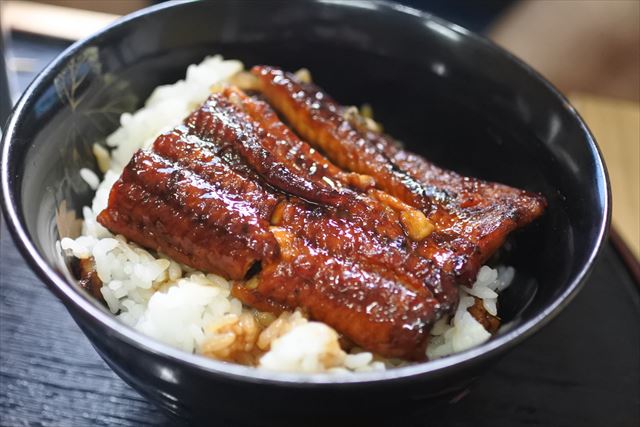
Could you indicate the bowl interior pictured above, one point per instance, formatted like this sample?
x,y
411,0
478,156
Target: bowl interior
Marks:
x,y
446,94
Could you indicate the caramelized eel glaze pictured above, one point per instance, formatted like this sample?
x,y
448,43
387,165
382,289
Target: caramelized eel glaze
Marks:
x,y
371,239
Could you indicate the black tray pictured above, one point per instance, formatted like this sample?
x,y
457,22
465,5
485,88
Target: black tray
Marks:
x,y
583,369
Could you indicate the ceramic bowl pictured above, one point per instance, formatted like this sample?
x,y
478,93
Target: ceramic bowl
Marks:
x,y
448,94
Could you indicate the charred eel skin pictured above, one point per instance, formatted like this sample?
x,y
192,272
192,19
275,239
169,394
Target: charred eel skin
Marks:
x,y
477,212
235,191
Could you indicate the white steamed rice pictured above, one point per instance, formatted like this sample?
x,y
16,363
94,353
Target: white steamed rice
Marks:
x,y
195,311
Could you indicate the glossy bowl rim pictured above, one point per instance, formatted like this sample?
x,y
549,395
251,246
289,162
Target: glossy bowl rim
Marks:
x,y
75,301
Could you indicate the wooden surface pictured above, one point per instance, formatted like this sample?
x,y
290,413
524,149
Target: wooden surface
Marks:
x,y
53,20
616,126
119,7
583,369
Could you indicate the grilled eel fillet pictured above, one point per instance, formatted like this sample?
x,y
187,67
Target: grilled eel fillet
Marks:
x,y
462,208
234,191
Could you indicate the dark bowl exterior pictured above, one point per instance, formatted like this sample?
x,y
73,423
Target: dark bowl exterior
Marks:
x,y
445,92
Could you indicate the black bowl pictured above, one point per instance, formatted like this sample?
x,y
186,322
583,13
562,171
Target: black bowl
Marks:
x,y
448,94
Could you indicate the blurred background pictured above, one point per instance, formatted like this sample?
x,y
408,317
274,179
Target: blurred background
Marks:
x,y
589,49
